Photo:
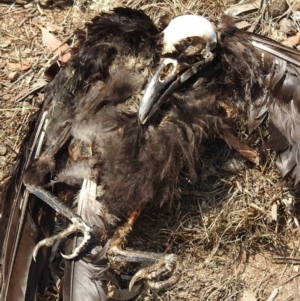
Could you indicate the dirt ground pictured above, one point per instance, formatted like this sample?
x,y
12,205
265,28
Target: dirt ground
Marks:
x,y
235,230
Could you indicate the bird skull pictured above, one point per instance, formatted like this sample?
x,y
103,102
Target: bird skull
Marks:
x,y
187,46
195,30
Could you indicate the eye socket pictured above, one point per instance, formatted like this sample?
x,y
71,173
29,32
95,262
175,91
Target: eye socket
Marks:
x,y
167,68
189,40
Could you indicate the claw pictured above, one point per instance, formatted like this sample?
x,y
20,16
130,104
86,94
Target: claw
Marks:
x,y
166,266
78,225
88,190
161,265
161,285
86,230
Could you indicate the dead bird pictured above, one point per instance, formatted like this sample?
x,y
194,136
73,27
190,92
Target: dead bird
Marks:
x,y
111,137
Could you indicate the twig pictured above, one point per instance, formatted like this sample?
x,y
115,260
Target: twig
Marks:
x,y
273,294
288,280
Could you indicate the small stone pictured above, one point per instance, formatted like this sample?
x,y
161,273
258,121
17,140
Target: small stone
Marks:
x,y
2,161
12,76
296,15
4,43
277,8
3,149
296,5
287,26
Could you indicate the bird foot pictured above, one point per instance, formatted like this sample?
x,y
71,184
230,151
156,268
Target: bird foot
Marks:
x,y
78,225
168,266
166,269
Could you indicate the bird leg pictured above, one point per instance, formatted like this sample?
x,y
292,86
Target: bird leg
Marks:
x,y
77,223
162,265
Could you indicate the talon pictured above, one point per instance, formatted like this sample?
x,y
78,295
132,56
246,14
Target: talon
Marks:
x,y
161,285
137,277
166,266
147,273
86,230
161,265
47,242
78,225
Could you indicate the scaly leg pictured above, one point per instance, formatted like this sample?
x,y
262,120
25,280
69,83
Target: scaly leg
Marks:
x,y
77,223
163,265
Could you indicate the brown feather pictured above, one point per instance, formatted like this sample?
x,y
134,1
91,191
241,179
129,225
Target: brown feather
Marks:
x,y
264,76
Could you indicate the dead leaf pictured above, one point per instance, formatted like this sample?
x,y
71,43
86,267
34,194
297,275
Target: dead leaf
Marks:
x,y
242,24
292,41
9,114
23,65
53,27
249,296
12,76
40,83
54,44
4,43
243,7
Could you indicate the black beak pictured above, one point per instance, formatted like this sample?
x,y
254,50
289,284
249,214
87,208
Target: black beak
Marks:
x,y
169,75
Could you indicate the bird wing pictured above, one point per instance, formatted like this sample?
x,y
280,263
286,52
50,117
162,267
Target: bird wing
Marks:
x,y
282,79
23,221
269,73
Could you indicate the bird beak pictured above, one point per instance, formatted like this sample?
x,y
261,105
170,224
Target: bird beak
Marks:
x,y
169,75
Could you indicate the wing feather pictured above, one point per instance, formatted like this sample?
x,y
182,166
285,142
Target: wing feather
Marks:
x,y
274,90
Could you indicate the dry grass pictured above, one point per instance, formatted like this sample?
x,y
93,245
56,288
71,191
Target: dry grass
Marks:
x,y
222,227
